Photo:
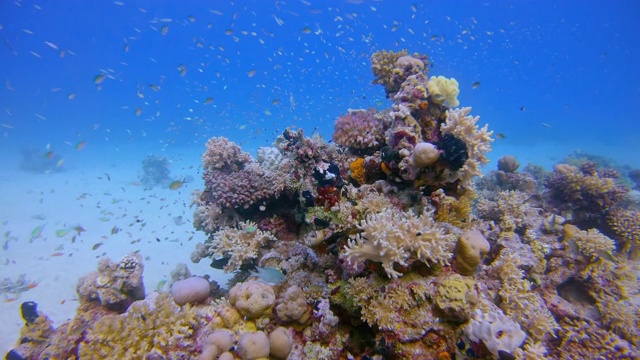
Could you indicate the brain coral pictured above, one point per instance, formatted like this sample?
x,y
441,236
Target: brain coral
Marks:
x,y
252,299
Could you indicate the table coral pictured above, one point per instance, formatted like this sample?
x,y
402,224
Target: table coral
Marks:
x,y
393,237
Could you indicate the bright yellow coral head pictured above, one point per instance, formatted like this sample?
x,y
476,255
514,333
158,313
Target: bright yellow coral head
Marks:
x,y
357,171
444,91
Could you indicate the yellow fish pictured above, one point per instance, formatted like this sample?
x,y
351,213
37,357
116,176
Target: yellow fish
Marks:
x,y
176,184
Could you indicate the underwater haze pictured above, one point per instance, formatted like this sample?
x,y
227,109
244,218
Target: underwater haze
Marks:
x,y
106,107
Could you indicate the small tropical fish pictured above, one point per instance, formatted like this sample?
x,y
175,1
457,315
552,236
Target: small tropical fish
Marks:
x,y
500,136
306,30
522,108
160,285
176,184
276,102
80,145
138,111
62,232
164,30
98,79
251,73
154,87
37,232
56,254
475,85
268,275
219,263
96,246
208,100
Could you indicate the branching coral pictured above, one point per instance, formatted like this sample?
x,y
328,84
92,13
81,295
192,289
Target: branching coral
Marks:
x,y
240,244
585,191
359,129
523,305
509,208
478,141
222,154
591,244
395,237
626,223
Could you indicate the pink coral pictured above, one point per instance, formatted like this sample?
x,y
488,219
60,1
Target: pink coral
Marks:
x,y
359,129
222,154
242,188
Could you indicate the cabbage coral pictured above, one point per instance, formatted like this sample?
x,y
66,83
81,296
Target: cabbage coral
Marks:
x,y
394,237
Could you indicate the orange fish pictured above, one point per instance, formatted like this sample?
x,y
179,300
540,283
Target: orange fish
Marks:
x,y
57,254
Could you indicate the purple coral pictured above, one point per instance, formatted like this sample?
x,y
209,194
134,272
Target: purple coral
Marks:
x,y
240,189
359,129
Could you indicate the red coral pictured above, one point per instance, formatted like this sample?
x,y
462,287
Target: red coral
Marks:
x,y
328,196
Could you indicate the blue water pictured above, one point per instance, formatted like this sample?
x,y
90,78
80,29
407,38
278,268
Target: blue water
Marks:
x,y
565,73
101,85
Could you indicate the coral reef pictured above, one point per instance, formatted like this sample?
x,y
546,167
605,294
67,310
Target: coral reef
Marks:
x,y
382,245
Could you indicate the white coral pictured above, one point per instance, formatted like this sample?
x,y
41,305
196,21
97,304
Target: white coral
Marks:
x,y
478,141
240,244
393,237
496,331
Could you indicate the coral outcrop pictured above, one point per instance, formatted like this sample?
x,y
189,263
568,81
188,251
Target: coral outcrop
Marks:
x,y
383,244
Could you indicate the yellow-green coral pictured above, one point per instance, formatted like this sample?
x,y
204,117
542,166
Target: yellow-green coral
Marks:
x,y
400,306
518,301
456,297
444,91
591,244
626,223
383,64
455,211
146,328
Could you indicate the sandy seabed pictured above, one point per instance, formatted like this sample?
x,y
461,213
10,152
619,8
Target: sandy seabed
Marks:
x,y
99,191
